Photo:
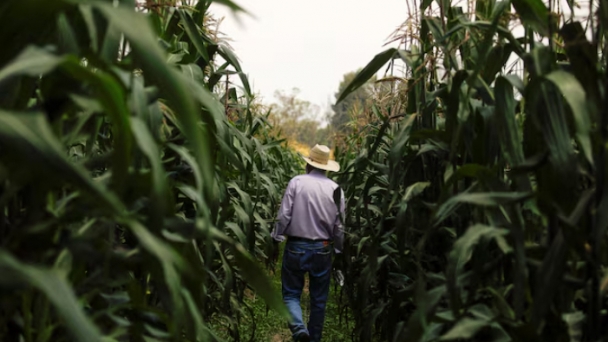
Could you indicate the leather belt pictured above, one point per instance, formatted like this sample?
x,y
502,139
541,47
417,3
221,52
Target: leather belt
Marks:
x,y
297,238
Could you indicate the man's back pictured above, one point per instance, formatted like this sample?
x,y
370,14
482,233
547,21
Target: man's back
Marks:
x,y
308,209
314,210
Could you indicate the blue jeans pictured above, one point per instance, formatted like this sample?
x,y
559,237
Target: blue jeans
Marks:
x,y
299,258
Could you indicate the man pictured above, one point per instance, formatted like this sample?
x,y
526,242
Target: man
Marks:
x,y
310,219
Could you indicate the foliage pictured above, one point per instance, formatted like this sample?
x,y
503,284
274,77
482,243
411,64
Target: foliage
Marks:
x,y
477,206
132,208
296,119
355,102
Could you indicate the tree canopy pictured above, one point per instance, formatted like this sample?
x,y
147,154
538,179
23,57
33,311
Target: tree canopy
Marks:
x,y
296,119
352,104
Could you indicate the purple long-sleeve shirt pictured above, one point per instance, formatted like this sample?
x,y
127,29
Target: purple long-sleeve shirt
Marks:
x,y
308,210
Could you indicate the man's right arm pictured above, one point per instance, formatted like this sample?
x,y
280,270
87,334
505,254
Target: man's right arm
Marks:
x,y
338,233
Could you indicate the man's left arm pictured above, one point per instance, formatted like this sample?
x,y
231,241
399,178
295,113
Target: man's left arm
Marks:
x,y
338,233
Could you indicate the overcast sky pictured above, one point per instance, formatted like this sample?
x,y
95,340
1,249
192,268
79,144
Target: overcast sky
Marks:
x,y
310,44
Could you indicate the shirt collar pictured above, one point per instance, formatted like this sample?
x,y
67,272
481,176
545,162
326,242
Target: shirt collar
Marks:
x,y
317,173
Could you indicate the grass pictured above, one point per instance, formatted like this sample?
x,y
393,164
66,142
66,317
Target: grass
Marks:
x,y
268,325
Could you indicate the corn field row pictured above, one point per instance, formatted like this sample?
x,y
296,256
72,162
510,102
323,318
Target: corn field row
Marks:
x,y
138,186
139,177
476,191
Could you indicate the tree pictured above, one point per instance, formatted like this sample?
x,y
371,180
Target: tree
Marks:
x,y
306,131
324,136
294,117
353,102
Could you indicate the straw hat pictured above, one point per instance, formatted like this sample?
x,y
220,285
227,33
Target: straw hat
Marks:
x,y
319,158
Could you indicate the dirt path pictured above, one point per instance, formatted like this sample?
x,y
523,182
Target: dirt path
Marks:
x,y
281,337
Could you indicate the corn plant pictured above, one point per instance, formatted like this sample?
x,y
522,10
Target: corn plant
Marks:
x,y
477,206
138,181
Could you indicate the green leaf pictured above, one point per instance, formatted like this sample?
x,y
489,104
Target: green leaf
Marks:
x,y
488,199
368,72
414,190
483,50
230,57
583,60
426,302
400,142
498,57
533,13
256,277
202,331
67,37
246,85
545,106
112,97
238,232
462,252
232,5
425,4
501,304
465,328
111,44
576,98
160,189
89,19
507,126
193,72
172,264
548,279
189,159
33,61
58,291
193,33
482,25
30,141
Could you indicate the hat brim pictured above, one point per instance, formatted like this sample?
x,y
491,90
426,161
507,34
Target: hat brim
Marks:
x,y
330,166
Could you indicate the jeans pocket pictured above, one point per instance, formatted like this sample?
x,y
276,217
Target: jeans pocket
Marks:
x,y
293,259
321,261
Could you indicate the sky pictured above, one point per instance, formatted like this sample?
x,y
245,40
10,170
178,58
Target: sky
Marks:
x,y
308,45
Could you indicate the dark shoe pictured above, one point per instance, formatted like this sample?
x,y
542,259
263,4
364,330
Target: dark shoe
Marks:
x,y
302,337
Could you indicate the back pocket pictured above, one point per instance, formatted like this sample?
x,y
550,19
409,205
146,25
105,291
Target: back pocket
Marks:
x,y
293,259
321,261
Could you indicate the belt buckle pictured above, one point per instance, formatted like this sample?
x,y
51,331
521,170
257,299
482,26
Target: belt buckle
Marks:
x,y
325,243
